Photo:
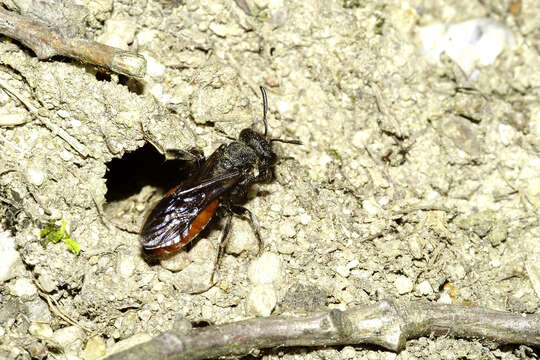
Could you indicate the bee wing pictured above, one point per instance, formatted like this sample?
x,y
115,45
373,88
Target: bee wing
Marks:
x,y
168,222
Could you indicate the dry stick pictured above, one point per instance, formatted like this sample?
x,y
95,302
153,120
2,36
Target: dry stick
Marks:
x,y
385,324
38,114
46,42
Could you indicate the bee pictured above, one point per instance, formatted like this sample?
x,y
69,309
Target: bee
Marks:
x,y
215,182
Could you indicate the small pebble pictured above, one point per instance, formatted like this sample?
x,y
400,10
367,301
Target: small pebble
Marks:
x,y
348,352
70,338
9,256
261,300
153,67
40,329
305,219
47,283
177,262
371,206
118,33
403,284
202,251
342,270
456,271
35,176
23,287
126,265
242,240
471,43
287,228
64,114
95,348
266,269
425,288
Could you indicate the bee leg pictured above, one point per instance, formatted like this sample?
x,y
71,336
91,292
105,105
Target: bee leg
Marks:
x,y
240,210
192,154
222,244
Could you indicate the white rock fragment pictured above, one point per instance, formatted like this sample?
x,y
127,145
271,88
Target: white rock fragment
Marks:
x,y
242,240
177,262
47,283
425,288
118,33
153,67
266,269
371,206
35,176
95,348
360,138
506,134
23,287
472,43
126,265
342,270
70,338
40,329
261,300
403,284
305,219
9,256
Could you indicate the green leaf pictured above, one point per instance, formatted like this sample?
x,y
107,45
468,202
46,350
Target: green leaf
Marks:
x,y
54,233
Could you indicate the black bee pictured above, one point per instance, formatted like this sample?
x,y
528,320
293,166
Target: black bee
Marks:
x,y
215,182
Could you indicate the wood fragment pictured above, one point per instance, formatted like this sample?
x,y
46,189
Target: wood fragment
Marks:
x,y
46,41
385,324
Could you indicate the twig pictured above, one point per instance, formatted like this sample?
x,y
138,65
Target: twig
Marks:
x,y
38,114
385,324
46,42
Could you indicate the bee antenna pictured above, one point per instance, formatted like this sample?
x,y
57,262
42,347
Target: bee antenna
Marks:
x,y
265,109
287,141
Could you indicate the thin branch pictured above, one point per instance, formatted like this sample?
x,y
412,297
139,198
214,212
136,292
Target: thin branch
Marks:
x,y
384,324
47,41
39,114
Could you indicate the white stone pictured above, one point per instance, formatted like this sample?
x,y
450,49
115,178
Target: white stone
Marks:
x,y
403,284
126,265
371,206
68,336
40,329
506,134
23,287
305,219
472,43
35,176
266,269
425,288
242,239
64,114
177,262
261,300
342,270
352,264
118,33
8,254
95,348
153,67
360,138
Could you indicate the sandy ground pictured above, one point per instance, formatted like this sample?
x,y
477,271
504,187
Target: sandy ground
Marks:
x,y
413,182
